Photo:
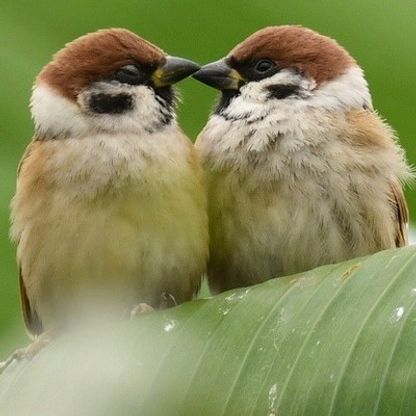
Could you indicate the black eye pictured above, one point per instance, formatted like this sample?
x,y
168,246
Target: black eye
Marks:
x,y
264,65
129,74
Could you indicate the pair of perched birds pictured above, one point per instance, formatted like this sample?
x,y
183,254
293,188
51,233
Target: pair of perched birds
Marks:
x,y
293,170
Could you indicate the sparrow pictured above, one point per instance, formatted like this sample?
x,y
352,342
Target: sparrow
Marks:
x,y
300,169
110,205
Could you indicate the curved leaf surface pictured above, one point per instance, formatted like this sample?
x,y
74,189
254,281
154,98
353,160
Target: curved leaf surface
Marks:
x,y
338,340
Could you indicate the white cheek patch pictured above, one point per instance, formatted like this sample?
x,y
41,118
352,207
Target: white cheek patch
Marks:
x,y
348,91
55,115
258,91
254,102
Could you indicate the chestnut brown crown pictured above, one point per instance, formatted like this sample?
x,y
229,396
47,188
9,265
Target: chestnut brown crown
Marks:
x,y
96,56
305,50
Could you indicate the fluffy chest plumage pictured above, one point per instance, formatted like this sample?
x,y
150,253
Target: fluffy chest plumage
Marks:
x,y
125,214
275,229
288,193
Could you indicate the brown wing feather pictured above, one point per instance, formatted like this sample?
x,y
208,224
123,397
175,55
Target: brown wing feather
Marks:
x,y
31,318
372,133
402,214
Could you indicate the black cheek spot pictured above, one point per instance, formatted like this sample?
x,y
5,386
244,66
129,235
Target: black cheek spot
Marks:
x,y
110,104
282,91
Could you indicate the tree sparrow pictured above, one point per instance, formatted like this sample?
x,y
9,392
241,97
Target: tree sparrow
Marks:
x,y
110,206
301,171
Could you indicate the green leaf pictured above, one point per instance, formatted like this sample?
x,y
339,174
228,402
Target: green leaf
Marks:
x,y
338,340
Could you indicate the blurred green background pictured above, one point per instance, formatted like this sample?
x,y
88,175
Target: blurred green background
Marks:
x,y
381,35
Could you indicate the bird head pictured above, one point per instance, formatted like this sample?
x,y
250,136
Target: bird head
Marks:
x,y
106,81
285,64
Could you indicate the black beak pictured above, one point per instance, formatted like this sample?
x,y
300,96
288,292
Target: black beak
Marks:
x,y
173,70
220,75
